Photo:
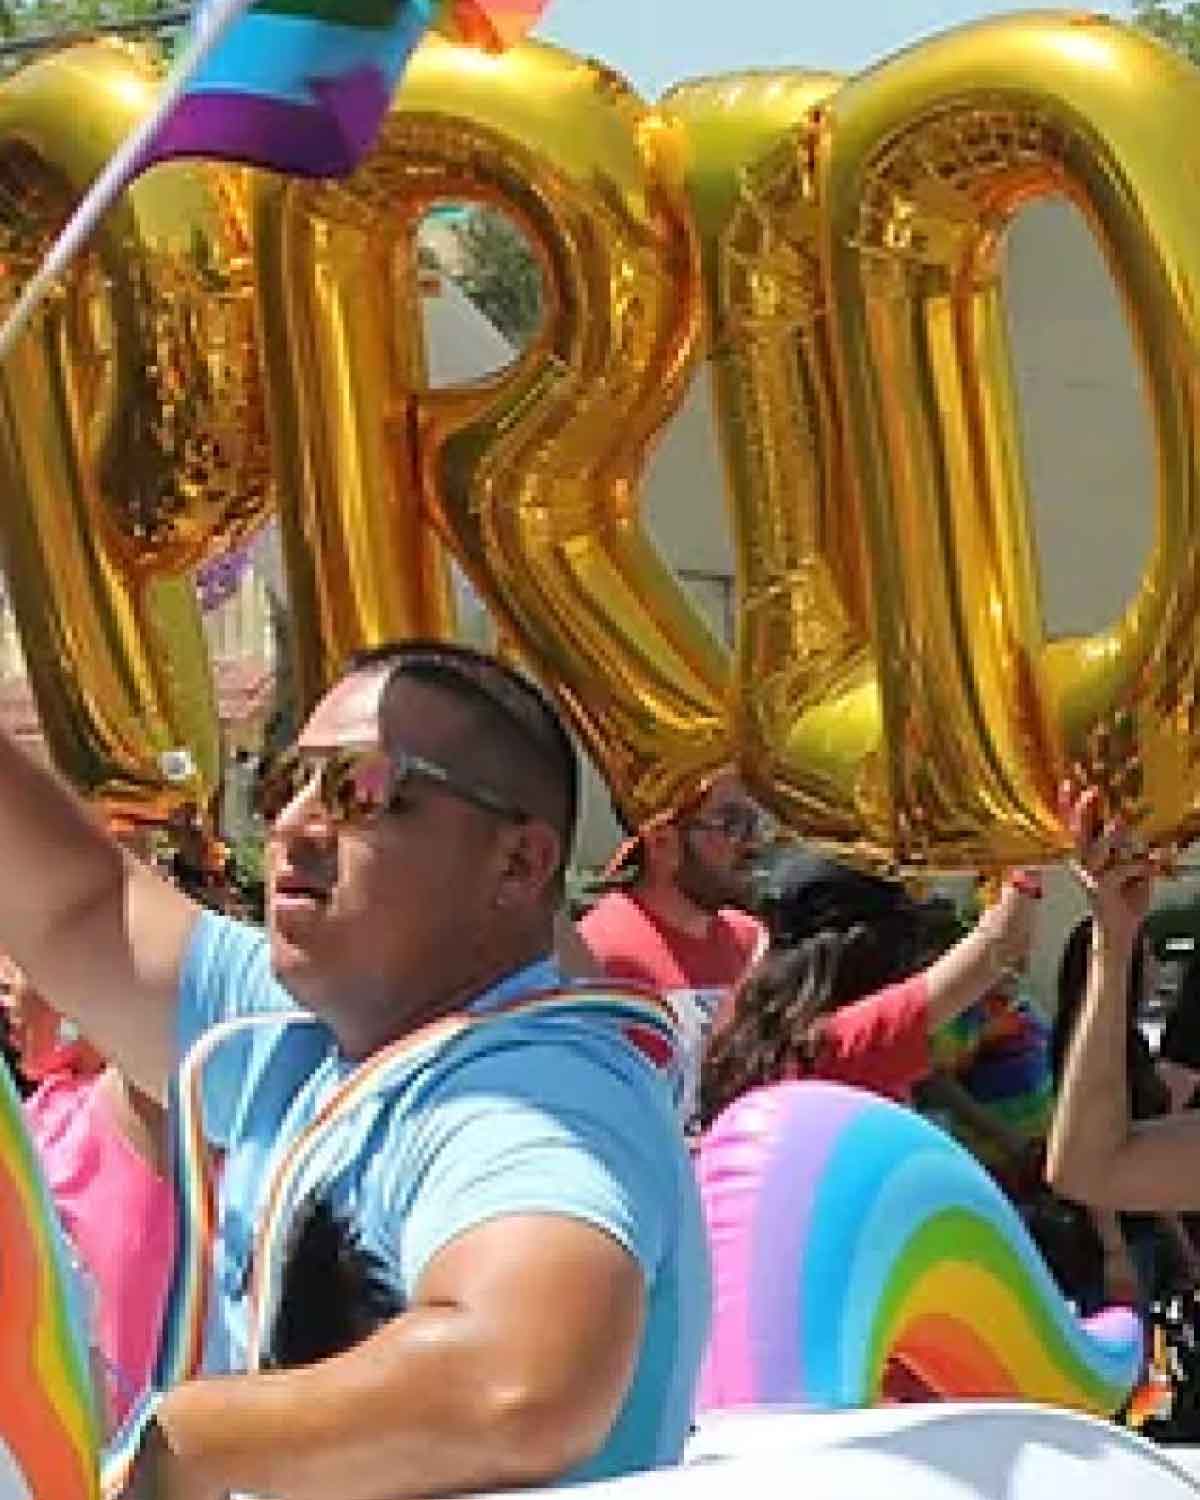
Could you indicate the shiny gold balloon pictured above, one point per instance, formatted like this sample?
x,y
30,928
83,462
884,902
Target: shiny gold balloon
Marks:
x,y
174,426
808,707
532,476
343,351
922,164
132,439
895,694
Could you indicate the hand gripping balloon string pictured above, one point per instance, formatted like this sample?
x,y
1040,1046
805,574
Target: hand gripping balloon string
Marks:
x,y
133,156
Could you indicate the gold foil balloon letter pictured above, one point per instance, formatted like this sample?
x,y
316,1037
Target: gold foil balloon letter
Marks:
x,y
921,165
808,721
132,441
532,476
343,349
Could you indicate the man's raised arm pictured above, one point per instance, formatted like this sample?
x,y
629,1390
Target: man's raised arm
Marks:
x,y
99,934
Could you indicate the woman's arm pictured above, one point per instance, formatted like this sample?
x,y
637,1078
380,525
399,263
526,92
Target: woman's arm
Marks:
x,y
1098,1154
882,1042
998,943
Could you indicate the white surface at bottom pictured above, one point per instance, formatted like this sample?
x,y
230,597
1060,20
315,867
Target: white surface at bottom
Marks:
x,y
984,1451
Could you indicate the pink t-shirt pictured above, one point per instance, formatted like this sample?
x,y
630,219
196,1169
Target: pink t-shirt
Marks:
x,y
880,1043
119,1216
629,942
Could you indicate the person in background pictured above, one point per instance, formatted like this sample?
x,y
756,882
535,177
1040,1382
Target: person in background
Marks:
x,y
679,922
101,1143
1125,1249
850,989
680,919
1132,1250
992,1088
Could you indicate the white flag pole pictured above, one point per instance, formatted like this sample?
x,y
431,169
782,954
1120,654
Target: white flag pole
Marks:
x,y
210,29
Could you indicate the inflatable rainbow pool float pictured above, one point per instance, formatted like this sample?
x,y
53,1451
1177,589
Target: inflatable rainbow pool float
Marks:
x,y
848,1232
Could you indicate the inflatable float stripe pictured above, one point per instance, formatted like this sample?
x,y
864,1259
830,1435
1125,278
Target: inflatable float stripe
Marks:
x,y
47,1412
933,1234
960,1262
847,1231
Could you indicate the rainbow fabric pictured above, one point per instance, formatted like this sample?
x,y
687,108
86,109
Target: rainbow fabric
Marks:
x,y
494,25
302,86
847,1232
999,1050
47,1416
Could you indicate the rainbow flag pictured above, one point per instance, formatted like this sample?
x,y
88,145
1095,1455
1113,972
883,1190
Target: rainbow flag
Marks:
x,y
302,86
494,25
48,1424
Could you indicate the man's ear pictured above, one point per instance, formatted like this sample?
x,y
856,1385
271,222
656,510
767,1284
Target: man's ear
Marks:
x,y
533,855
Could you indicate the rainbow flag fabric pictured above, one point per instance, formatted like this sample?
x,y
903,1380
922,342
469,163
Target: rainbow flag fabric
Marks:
x,y
302,86
48,1426
494,25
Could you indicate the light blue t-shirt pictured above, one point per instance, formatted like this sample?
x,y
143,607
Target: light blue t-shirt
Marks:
x,y
520,1114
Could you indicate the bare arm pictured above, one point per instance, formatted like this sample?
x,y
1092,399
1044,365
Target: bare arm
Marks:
x,y
1098,1154
100,935
999,942
510,1368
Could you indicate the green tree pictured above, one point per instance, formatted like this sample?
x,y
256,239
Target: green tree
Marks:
x,y
26,24
499,273
1177,23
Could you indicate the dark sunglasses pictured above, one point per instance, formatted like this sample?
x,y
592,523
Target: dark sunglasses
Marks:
x,y
356,786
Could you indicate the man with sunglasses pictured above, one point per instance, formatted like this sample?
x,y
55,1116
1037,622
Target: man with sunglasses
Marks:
x,y
677,915
477,1182
677,921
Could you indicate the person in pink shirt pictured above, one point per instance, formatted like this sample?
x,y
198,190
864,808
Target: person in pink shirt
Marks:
x,y
851,988
851,992
101,1145
677,923
677,920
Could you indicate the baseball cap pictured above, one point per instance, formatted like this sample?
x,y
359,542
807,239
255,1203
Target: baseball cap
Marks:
x,y
689,800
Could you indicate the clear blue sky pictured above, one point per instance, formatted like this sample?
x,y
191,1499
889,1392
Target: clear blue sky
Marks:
x,y
659,42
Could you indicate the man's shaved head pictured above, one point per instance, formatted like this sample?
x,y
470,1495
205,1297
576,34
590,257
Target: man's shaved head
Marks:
x,y
506,736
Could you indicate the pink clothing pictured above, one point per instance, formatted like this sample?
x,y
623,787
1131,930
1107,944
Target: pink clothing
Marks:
x,y
880,1044
118,1214
629,942
697,974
